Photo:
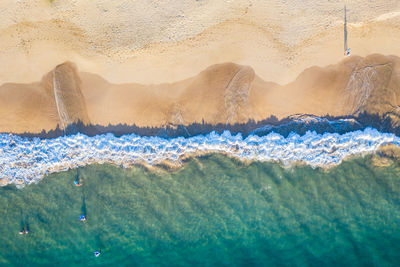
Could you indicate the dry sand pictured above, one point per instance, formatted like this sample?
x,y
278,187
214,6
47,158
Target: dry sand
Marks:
x,y
166,41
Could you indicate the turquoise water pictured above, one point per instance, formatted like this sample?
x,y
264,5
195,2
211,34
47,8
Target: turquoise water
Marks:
x,y
213,212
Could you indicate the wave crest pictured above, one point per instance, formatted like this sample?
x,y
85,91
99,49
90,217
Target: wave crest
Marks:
x,y
24,161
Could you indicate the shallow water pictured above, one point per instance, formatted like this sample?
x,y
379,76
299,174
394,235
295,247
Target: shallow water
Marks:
x,y
214,211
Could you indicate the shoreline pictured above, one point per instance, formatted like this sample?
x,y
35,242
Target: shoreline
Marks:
x,y
53,155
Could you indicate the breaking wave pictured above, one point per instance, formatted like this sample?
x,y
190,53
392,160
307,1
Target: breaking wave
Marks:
x,y
24,161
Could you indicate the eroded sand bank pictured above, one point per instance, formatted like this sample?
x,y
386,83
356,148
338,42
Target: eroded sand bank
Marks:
x,y
224,93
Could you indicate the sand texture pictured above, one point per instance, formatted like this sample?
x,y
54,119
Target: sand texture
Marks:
x,y
223,93
167,41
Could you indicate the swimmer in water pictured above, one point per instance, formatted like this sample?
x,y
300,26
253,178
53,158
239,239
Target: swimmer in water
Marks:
x,y
83,218
24,231
97,253
77,183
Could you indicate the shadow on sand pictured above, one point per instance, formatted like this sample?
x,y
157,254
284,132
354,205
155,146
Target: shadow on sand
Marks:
x,y
296,123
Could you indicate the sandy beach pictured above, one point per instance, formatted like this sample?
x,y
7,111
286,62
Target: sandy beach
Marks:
x,y
161,63
223,93
166,41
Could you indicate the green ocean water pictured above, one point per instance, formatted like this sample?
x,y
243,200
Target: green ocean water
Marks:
x,y
213,212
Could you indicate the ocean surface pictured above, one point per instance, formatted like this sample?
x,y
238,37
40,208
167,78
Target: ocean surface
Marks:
x,y
214,211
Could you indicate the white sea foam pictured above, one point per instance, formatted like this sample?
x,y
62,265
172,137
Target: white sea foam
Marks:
x,y
24,161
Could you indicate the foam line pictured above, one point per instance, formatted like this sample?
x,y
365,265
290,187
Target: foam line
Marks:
x,y
24,161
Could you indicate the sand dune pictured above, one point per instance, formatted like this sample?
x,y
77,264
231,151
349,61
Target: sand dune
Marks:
x,y
223,93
